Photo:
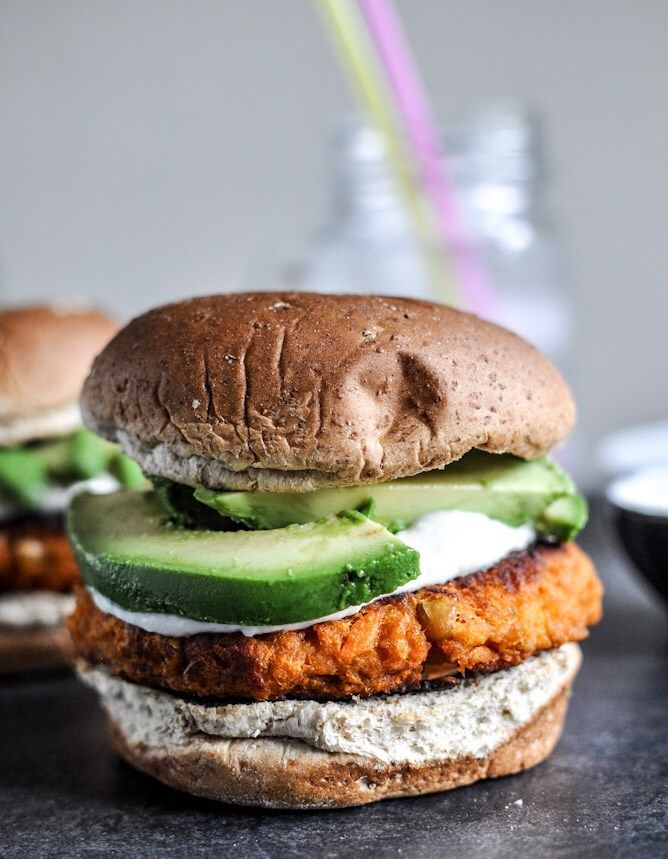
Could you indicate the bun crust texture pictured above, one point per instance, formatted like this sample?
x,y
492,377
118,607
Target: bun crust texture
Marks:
x,y
492,732
45,354
292,391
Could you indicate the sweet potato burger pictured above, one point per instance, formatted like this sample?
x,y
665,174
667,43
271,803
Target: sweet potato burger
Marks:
x,y
354,578
45,455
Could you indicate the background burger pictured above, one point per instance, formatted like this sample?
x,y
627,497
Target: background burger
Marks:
x,y
45,455
355,577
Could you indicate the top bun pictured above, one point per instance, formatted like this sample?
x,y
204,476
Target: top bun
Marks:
x,y
45,354
291,391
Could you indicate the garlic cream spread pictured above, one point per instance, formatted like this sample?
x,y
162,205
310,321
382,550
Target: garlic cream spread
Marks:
x,y
468,720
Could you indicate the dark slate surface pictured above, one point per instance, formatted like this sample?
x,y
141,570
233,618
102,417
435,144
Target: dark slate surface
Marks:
x,y
64,793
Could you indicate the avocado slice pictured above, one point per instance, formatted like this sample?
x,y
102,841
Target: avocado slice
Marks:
x,y
179,503
503,487
27,471
79,455
129,553
564,518
55,455
128,473
23,476
89,454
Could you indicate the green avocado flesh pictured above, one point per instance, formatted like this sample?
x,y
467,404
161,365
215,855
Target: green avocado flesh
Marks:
x,y
28,470
129,551
564,518
502,487
183,510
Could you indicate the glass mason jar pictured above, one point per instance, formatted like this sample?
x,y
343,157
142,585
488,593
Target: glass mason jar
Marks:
x,y
366,242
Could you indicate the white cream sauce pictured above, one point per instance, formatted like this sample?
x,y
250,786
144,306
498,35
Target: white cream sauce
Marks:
x,y
451,543
33,609
644,491
56,499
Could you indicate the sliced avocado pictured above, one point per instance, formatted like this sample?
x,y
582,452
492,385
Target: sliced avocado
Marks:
x,y
23,476
128,473
79,455
129,552
181,508
55,454
27,470
90,455
500,486
564,518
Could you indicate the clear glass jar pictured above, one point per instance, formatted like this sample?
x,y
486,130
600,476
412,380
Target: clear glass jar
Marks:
x,y
498,161
367,244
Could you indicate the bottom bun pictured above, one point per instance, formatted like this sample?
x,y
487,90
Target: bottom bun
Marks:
x,y
519,714
34,650
33,636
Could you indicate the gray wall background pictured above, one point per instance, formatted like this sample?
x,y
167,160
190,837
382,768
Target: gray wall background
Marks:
x,y
149,146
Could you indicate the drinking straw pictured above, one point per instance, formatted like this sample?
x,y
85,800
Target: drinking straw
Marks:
x,y
421,128
347,28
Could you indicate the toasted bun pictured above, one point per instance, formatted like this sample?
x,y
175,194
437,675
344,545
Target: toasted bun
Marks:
x,y
45,354
34,649
287,774
298,390
32,630
313,754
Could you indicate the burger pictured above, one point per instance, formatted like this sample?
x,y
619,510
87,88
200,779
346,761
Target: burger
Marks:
x,y
354,577
45,455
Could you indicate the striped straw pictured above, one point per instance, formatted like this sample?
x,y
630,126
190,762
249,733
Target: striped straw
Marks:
x,y
349,34
421,129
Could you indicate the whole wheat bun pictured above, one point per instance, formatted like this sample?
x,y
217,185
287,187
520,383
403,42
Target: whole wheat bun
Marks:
x,y
24,650
310,754
32,631
45,354
297,390
287,774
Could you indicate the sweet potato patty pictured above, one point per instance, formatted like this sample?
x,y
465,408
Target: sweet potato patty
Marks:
x,y
531,601
36,554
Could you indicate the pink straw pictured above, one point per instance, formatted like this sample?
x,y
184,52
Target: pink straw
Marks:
x,y
418,118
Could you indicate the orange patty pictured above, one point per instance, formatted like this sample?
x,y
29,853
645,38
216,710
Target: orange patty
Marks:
x,y
529,602
36,554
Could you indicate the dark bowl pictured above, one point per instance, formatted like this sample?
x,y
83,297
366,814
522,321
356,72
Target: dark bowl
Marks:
x,y
645,538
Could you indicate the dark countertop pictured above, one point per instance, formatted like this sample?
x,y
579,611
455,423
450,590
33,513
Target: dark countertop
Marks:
x,y
604,791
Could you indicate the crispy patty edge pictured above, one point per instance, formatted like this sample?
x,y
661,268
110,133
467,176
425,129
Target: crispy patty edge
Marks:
x,y
486,621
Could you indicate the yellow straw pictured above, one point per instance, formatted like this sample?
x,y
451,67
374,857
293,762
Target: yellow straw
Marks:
x,y
346,26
